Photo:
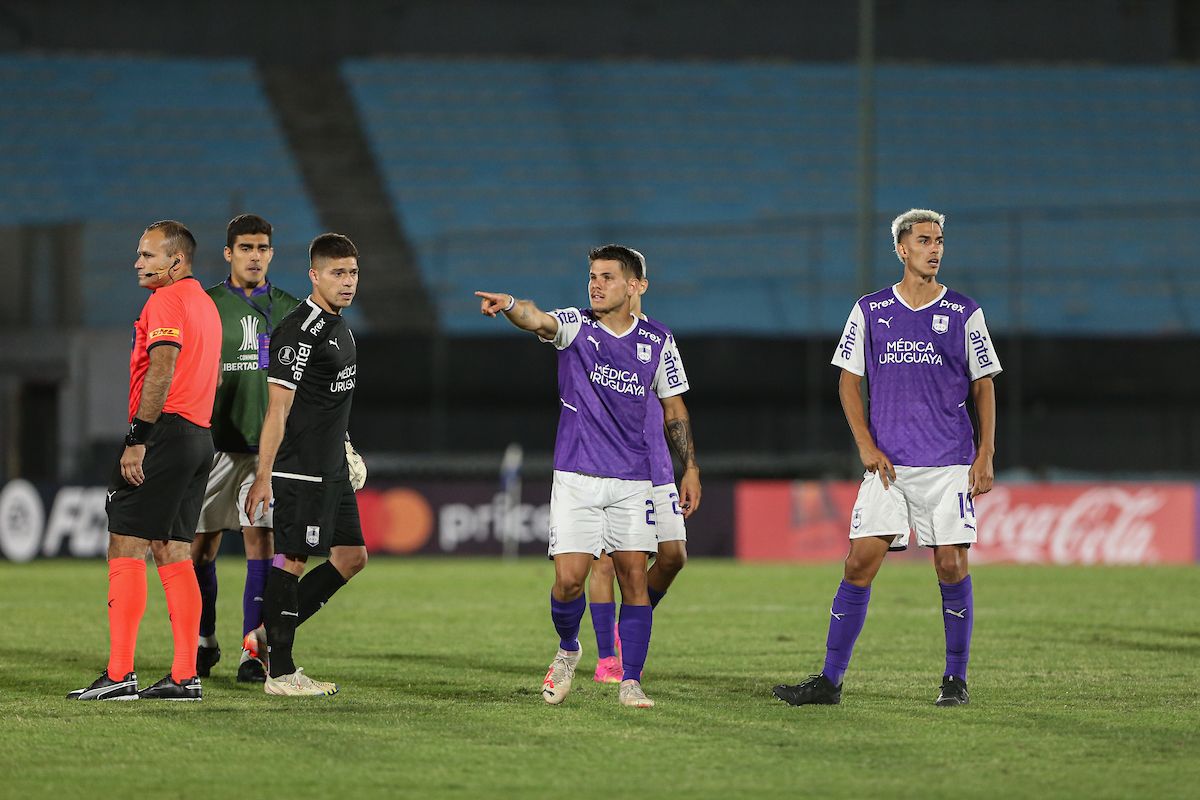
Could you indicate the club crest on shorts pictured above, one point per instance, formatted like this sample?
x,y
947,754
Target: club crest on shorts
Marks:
x,y
856,519
643,352
553,535
312,535
941,323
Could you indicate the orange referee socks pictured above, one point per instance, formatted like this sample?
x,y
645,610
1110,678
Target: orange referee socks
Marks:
x,y
126,604
184,606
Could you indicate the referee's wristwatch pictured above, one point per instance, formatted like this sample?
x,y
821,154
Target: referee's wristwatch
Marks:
x,y
139,432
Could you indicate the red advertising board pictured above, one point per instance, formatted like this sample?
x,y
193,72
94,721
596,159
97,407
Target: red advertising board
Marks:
x,y
1036,523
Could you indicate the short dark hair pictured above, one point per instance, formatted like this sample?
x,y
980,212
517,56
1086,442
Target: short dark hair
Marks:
x,y
246,225
331,245
631,260
177,238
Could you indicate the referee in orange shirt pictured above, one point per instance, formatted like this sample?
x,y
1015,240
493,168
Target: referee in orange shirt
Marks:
x,y
157,487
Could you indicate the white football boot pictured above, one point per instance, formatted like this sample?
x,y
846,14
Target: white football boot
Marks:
x,y
630,694
557,684
298,684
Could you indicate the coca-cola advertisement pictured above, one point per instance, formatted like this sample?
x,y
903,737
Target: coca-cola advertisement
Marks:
x,y
1031,523
1088,523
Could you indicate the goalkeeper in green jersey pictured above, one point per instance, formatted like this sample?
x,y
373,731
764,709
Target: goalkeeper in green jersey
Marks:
x,y
250,308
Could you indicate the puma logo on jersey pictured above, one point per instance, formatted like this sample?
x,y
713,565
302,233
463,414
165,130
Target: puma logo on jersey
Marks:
x,y
886,322
335,344
596,342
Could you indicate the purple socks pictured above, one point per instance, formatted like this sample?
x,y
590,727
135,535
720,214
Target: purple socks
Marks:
x,y
846,619
206,576
958,615
635,639
655,596
252,596
566,618
604,619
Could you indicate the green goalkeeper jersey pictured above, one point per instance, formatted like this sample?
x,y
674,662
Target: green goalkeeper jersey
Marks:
x,y
246,325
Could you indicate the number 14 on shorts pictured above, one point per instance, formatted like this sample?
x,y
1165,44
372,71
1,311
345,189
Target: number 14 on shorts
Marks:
x,y
966,505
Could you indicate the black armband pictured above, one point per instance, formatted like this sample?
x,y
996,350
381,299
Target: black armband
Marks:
x,y
139,432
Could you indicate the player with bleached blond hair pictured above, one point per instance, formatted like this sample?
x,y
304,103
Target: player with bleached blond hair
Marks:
x,y
925,351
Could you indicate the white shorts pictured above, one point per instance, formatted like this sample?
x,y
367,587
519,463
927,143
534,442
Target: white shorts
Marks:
x,y
934,501
668,518
594,515
229,482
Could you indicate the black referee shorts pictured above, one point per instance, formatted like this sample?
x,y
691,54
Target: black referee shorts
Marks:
x,y
312,517
167,504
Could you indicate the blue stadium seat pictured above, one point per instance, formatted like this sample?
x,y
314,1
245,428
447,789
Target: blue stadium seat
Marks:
x,y
1073,193
115,143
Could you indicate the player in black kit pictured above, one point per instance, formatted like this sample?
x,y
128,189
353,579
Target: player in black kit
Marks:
x,y
302,460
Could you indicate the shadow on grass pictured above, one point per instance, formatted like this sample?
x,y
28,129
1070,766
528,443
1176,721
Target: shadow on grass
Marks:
x,y
1141,640
533,670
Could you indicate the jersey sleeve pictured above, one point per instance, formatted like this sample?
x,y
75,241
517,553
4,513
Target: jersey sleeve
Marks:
x,y
165,319
670,378
570,321
291,349
850,354
982,360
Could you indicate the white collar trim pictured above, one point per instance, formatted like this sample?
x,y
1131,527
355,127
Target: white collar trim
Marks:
x,y
899,299
611,333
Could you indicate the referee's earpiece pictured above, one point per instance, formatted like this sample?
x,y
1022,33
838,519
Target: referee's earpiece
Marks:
x,y
174,264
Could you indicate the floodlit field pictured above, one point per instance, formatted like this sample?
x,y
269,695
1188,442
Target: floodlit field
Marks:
x,y
1084,683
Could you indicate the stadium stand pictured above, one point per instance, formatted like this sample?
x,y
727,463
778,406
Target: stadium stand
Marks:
x,y
738,180
1073,192
117,142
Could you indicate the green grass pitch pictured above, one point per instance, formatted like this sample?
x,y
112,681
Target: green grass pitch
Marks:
x,y
1085,682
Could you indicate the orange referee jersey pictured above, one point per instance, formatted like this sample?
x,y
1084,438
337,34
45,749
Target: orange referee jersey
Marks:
x,y
180,315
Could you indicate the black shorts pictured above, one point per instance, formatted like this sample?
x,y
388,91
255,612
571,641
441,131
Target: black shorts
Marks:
x,y
167,504
312,517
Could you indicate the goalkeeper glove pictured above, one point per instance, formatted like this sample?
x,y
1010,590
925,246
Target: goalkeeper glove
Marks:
x,y
358,468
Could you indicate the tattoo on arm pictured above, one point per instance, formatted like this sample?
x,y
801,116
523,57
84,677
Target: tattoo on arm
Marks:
x,y
528,317
155,387
679,432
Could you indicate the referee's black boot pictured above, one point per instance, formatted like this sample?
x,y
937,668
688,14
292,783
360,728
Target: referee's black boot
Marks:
x,y
168,689
816,690
206,659
953,693
105,688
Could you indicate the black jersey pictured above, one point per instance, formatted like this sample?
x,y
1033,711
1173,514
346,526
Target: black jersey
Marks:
x,y
313,353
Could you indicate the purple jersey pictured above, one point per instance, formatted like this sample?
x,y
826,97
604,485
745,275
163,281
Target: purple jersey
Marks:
x,y
605,383
662,469
919,364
